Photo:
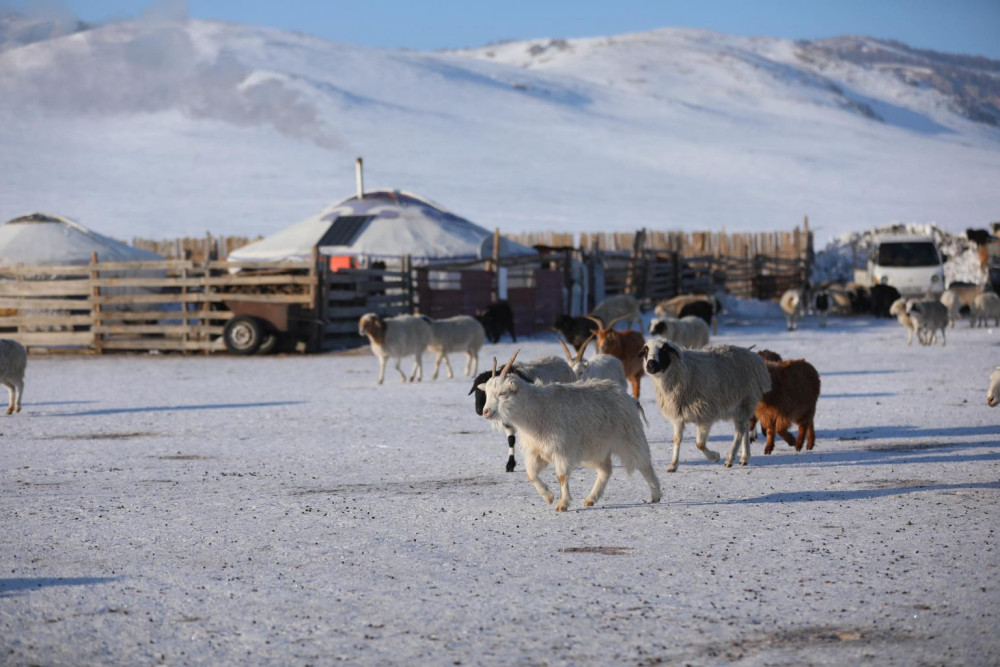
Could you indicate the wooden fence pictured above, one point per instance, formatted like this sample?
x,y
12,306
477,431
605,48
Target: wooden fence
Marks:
x,y
176,305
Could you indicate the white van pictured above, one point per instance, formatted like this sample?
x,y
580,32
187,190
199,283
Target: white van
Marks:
x,y
911,264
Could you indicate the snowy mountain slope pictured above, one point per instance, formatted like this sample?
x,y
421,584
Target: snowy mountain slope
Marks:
x,y
161,129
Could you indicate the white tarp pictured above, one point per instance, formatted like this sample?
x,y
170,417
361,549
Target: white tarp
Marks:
x,y
383,223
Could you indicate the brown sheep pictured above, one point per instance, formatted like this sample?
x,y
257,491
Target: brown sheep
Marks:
x,y
795,388
626,345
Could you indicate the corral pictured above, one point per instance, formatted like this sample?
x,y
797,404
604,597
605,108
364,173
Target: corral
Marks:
x,y
287,510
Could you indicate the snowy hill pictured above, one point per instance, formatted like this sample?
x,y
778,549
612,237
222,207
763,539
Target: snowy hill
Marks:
x,y
161,129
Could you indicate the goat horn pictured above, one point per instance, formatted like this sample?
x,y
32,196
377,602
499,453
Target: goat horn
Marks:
x,y
569,356
494,367
596,319
583,348
616,321
510,363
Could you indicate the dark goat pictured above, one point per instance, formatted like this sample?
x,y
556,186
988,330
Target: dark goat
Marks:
x,y
576,330
496,319
979,236
703,309
882,298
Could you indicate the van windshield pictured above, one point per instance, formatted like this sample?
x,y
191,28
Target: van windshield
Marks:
x,y
918,253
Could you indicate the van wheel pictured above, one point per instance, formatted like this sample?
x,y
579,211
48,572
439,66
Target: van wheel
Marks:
x,y
244,335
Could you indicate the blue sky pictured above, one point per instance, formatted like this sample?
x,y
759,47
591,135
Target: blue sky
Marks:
x,y
955,26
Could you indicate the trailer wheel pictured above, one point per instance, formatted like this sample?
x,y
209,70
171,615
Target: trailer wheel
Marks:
x,y
244,334
270,343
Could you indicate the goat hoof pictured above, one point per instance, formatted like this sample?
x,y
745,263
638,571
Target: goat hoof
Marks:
x,y
588,503
672,469
549,498
560,508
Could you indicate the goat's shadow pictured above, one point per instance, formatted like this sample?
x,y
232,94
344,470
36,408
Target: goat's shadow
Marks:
x,y
847,494
23,585
174,408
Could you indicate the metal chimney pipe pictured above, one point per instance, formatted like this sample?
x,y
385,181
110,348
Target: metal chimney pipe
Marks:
x,y
360,178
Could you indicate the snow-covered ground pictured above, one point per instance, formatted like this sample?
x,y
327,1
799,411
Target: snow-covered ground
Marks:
x,y
286,510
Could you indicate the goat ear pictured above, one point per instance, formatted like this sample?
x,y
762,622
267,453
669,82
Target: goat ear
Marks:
x,y
481,387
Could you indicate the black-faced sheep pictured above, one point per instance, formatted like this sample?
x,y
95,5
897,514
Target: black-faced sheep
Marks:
x,y
690,332
795,388
545,370
568,425
497,318
13,361
460,333
706,386
396,337
621,308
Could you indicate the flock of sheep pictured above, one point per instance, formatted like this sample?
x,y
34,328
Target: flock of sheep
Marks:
x,y
576,411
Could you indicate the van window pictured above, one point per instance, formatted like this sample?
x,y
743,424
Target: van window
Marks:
x,y
908,254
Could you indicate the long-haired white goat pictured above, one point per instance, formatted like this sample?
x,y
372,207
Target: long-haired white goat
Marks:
x,y
544,370
461,333
706,386
396,337
567,425
13,361
599,366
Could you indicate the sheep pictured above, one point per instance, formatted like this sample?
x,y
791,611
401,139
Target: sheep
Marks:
x,y
898,309
625,345
567,425
460,333
545,370
706,386
699,305
985,306
496,319
791,305
993,393
690,332
958,297
795,388
396,337
13,361
619,308
575,329
928,317
600,366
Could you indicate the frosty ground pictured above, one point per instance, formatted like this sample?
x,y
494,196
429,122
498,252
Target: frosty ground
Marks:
x,y
286,510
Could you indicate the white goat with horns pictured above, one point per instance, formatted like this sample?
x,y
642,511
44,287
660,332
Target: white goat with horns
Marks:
x,y
583,423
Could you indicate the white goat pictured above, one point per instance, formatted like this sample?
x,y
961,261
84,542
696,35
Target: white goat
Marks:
x,y
545,371
993,393
928,317
623,306
898,308
706,386
599,366
396,337
957,296
791,305
13,361
984,307
567,425
461,333
690,332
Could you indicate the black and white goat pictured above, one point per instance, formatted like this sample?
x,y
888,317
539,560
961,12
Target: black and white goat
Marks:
x,y
567,425
545,370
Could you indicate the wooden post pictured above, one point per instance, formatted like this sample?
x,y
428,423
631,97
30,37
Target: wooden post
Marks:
x,y
495,267
95,305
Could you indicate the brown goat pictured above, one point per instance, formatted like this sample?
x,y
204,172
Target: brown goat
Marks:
x,y
626,345
794,392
